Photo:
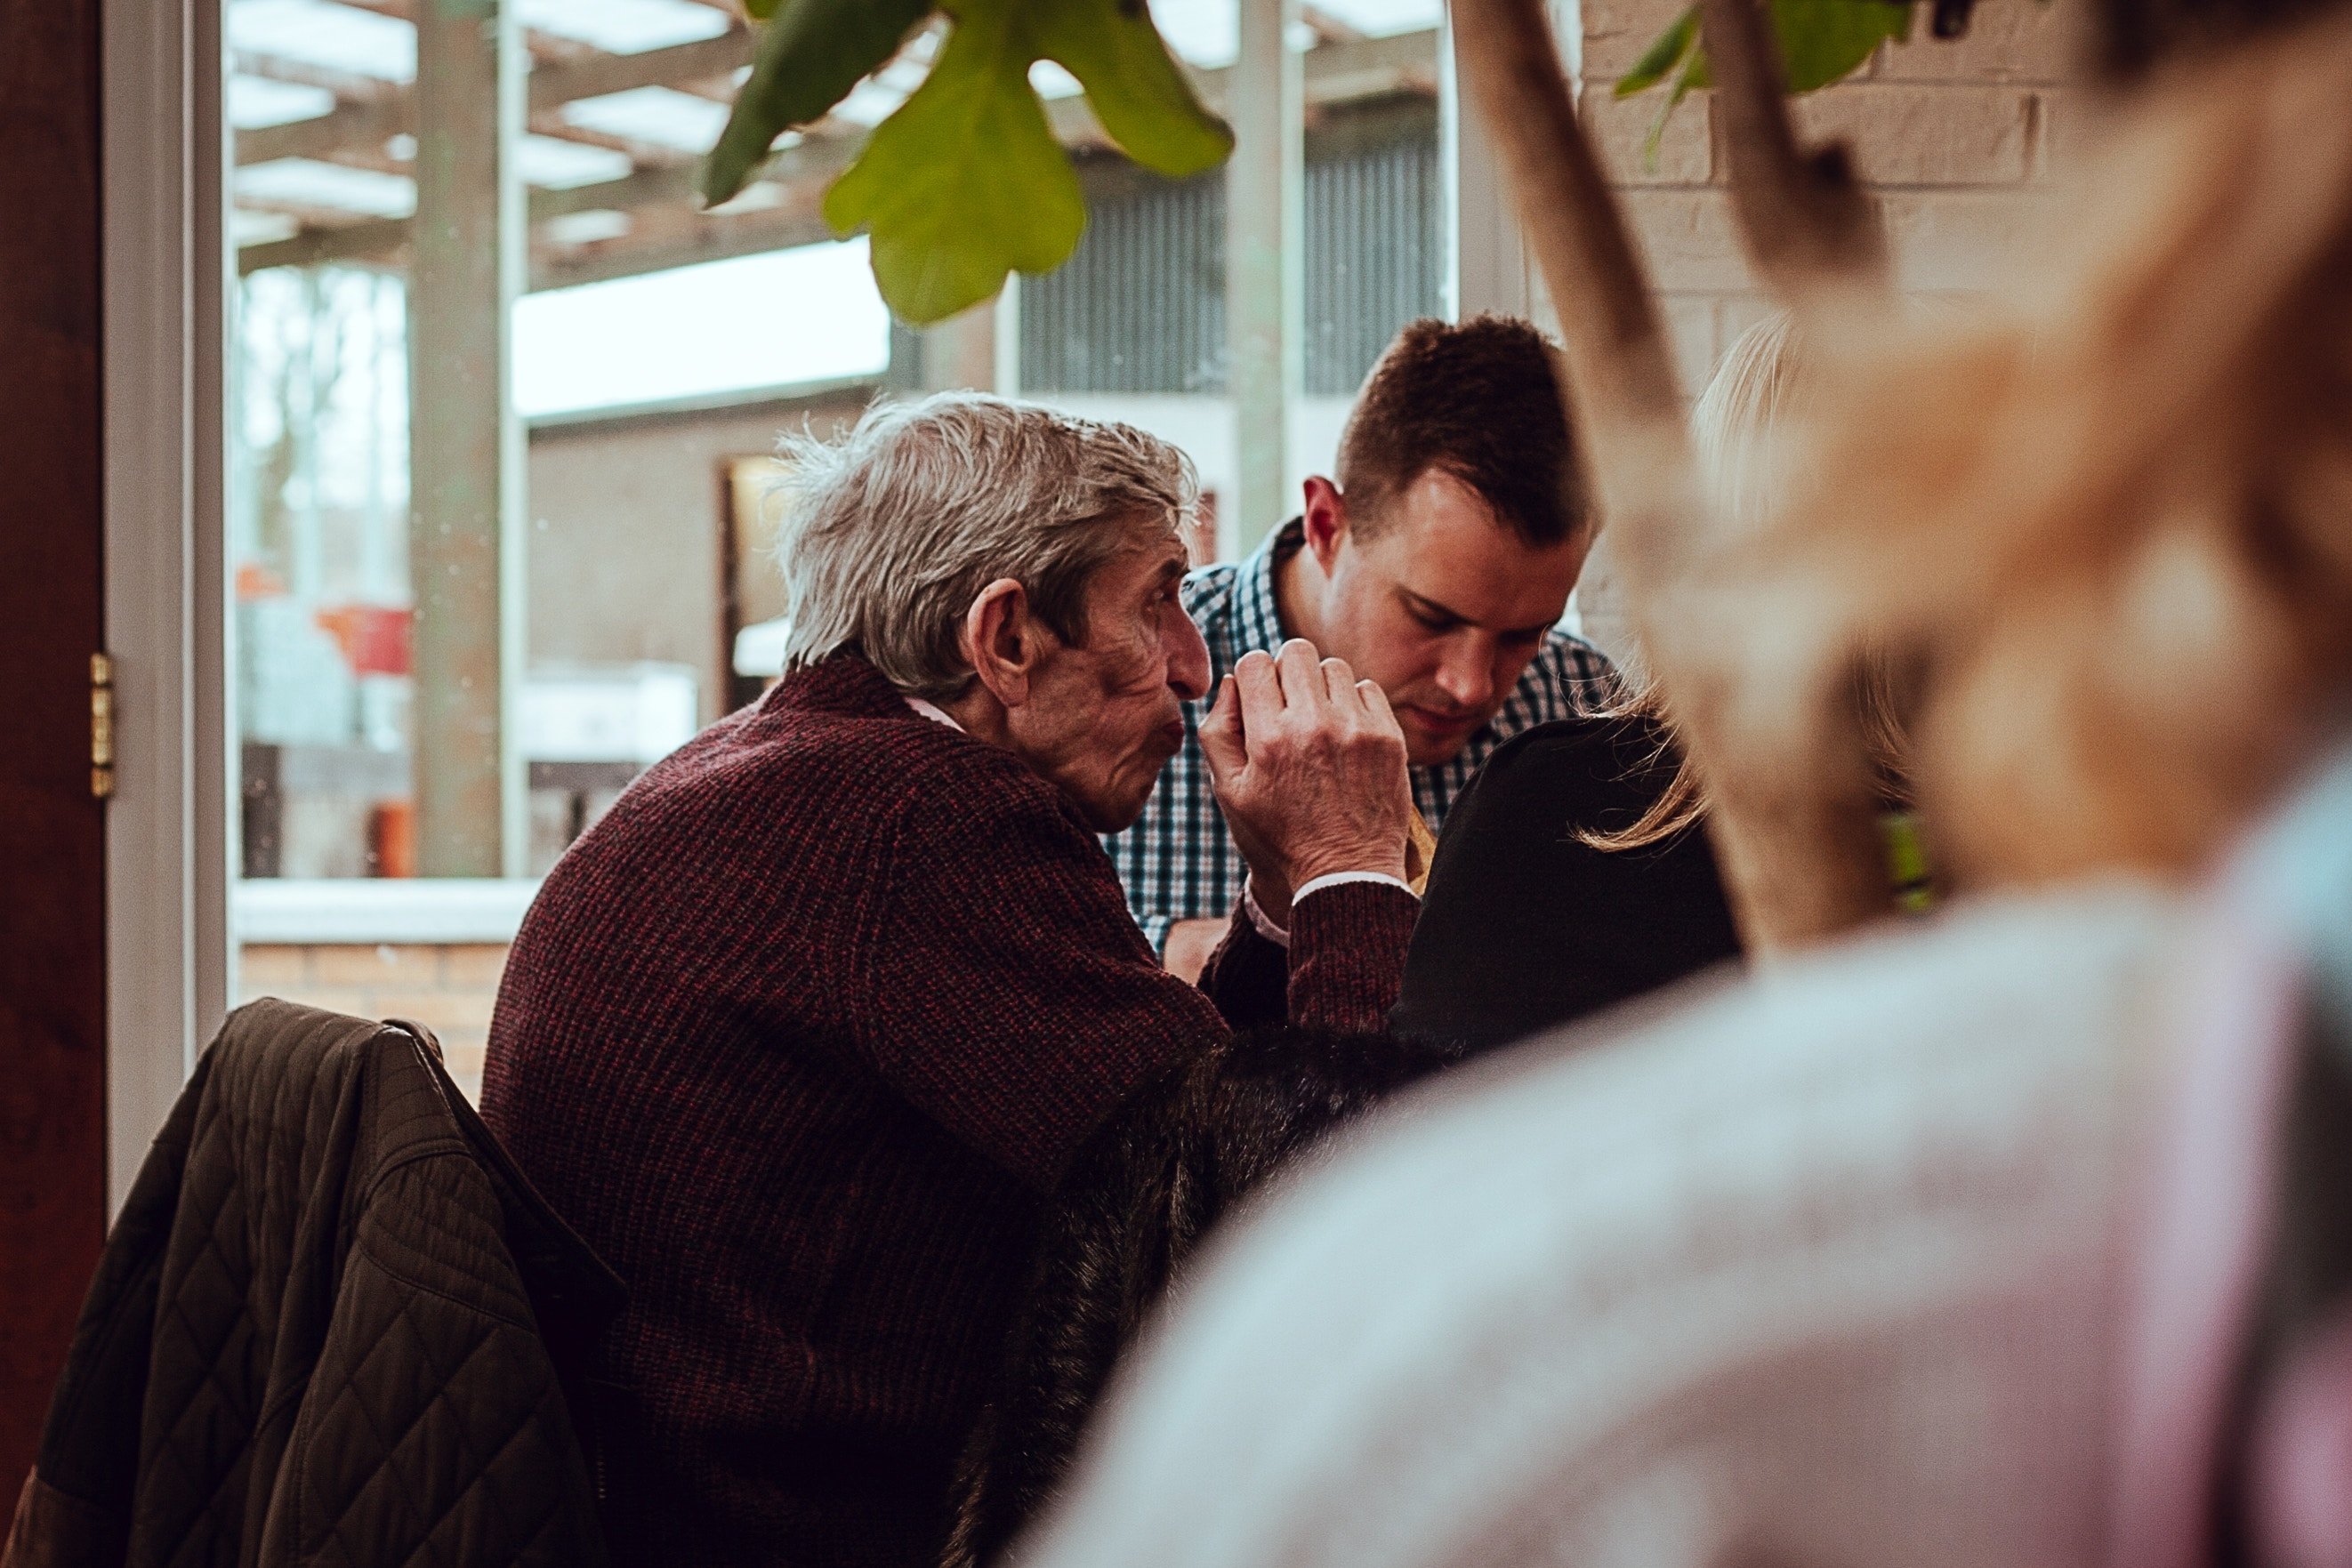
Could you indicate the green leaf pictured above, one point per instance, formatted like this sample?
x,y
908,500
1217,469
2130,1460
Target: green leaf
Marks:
x,y
1135,85
1822,42
1694,68
760,10
1662,55
809,58
965,182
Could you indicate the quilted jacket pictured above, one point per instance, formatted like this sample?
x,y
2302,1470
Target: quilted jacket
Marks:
x,y
330,1326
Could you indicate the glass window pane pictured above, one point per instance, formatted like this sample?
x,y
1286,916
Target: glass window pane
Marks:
x,y
655,351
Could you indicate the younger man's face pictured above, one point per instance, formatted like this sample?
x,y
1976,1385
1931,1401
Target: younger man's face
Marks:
x,y
1445,606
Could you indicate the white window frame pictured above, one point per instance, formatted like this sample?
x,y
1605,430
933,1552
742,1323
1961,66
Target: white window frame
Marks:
x,y
1489,266
169,960
167,273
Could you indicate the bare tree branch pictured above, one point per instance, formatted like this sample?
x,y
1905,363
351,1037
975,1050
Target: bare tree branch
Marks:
x,y
1803,219
1796,839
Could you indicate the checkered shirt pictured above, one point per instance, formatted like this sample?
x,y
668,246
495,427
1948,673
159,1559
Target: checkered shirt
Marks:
x,y
1179,861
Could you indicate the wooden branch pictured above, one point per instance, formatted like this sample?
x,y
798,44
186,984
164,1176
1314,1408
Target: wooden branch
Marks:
x,y
1790,821
1803,220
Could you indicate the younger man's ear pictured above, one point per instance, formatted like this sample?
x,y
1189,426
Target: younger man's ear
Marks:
x,y
1001,640
1326,520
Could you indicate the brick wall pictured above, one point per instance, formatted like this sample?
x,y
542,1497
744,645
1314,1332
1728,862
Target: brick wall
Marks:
x,y
1952,137
1955,139
446,987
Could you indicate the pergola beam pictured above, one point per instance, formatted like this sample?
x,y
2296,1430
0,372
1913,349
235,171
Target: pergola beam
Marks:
x,y
551,87
1336,73
682,231
673,229
353,88
689,237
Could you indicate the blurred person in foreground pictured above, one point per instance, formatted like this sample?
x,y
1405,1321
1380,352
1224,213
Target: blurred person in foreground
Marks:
x,y
2018,1240
1437,562
799,1035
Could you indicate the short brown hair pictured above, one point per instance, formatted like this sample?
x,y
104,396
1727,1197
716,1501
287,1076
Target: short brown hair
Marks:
x,y
1481,401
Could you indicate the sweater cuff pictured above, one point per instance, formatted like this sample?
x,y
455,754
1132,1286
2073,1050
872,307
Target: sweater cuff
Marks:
x,y
1347,954
1279,934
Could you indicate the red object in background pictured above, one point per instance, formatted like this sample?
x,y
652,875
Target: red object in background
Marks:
x,y
373,637
392,838
254,581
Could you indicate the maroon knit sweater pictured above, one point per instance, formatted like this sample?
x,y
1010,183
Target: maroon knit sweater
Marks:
x,y
798,1037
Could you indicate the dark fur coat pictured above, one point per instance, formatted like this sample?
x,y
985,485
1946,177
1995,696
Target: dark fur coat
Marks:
x,y
1134,1205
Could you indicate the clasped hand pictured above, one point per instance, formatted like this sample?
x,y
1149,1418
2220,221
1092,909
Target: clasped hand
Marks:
x,y
1308,764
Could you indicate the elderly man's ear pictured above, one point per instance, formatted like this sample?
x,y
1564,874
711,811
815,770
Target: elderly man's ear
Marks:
x,y
1005,642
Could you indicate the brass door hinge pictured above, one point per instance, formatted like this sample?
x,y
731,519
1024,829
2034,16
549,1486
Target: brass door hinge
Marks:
x,y
102,726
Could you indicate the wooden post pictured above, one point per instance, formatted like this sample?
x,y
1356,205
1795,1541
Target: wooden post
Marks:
x,y
465,534
1264,291
960,353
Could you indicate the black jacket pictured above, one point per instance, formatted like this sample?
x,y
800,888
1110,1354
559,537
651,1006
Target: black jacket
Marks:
x,y
1128,1216
1525,926
329,1324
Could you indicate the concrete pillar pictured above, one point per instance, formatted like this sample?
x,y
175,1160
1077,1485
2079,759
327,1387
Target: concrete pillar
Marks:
x,y
1487,265
1265,289
465,442
960,353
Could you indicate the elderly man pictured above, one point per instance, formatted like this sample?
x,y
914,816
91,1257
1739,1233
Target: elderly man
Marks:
x,y
799,1035
1437,563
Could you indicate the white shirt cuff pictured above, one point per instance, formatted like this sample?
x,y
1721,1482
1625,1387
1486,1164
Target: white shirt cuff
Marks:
x,y
1280,936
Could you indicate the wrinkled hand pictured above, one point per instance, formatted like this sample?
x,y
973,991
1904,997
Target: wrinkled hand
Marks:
x,y
1308,764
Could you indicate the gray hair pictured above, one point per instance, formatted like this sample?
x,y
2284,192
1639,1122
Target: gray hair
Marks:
x,y
890,533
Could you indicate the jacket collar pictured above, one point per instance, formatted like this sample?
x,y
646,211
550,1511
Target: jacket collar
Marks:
x,y
846,684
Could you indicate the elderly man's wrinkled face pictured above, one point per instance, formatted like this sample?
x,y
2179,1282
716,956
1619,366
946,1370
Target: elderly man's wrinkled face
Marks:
x,y
1103,719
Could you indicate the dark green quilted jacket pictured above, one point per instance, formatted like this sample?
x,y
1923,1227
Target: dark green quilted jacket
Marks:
x,y
332,1325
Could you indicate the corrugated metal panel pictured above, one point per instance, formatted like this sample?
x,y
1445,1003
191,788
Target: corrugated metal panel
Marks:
x,y
1141,306
1373,257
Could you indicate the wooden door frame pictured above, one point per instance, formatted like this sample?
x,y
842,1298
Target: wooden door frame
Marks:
x,y
165,272
52,831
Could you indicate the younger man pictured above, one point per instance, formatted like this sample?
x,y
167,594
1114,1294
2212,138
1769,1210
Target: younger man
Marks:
x,y
1436,562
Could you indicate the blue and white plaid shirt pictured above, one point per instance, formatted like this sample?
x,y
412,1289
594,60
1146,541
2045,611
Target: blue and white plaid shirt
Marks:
x,y
1179,862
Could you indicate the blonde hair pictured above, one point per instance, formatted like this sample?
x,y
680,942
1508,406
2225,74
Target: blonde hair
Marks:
x,y
1744,427
1739,423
